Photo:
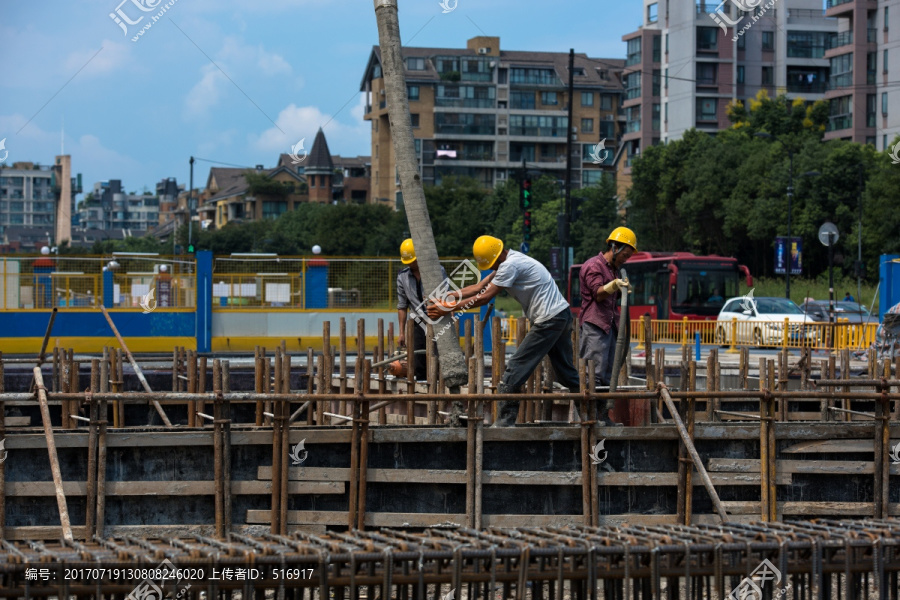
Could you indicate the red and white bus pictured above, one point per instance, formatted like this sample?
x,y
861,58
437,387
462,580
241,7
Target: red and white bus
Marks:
x,y
674,285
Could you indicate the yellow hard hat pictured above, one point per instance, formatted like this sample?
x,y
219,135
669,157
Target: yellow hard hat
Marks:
x,y
486,250
624,236
407,252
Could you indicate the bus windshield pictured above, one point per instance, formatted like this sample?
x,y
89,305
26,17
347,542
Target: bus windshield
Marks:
x,y
703,290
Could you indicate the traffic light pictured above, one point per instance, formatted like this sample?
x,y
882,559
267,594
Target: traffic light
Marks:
x,y
525,195
190,248
527,228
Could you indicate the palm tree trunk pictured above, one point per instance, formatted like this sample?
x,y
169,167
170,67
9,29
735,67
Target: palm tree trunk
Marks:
x,y
452,361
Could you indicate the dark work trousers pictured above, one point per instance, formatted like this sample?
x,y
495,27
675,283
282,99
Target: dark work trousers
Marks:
x,y
599,346
551,338
419,339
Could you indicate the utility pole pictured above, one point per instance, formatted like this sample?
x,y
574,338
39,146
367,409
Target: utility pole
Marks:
x,y
569,134
190,206
790,240
859,263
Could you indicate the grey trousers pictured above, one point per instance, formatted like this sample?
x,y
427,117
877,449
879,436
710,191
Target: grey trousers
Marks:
x,y
552,338
599,346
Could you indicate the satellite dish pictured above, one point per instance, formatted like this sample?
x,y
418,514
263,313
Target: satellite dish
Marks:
x,y
828,233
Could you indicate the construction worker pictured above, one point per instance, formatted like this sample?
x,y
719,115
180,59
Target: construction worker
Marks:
x,y
530,283
409,295
601,286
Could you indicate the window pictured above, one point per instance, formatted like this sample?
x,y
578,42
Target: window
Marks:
x,y
768,41
806,44
502,76
706,73
871,103
578,72
740,74
884,104
606,102
523,100
415,64
841,113
656,48
655,121
742,43
634,52
534,76
871,67
549,99
587,98
415,119
708,38
652,13
666,40
884,62
633,122
886,18
655,81
706,109
538,125
412,91
767,78
591,177
841,71
587,126
633,85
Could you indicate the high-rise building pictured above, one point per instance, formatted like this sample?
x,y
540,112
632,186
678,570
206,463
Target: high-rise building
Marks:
x,y
692,57
108,207
865,67
481,111
30,198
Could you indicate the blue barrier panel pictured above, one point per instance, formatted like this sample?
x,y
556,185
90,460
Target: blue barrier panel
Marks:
x,y
316,284
108,289
889,294
203,314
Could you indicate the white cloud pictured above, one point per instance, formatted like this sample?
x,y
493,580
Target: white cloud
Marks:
x,y
111,56
298,122
244,64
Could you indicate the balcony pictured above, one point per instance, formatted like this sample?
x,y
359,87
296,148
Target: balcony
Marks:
x,y
833,3
464,102
843,38
807,88
839,122
834,8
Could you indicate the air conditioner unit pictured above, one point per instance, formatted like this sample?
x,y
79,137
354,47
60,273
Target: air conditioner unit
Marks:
x,y
574,129
483,50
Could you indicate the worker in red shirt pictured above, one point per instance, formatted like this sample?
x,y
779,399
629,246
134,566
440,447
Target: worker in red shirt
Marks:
x,y
601,285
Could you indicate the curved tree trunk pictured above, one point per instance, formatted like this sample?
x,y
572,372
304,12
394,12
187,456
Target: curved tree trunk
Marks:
x,y
452,361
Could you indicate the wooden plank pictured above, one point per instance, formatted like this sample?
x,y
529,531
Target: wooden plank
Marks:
x,y
427,476
18,421
325,518
836,446
40,532
816,467
168,488
811,509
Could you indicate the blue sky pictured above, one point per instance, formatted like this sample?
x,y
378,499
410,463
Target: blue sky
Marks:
x,y
137,111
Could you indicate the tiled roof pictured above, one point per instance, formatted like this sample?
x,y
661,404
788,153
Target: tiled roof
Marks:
x,y
319,156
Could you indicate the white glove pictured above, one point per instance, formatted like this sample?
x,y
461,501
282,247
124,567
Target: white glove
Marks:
x,y
615,285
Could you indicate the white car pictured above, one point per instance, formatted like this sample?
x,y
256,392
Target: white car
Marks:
x,y
760,321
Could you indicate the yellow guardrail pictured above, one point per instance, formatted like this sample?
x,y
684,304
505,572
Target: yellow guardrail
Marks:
x,y
760,334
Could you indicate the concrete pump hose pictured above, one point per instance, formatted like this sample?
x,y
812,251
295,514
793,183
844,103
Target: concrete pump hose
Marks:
x,y
623,341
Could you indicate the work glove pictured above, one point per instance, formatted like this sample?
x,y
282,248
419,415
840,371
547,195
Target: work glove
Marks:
x,y
437,308
615,285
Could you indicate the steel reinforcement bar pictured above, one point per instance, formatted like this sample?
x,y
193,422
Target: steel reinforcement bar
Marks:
x,y
805,560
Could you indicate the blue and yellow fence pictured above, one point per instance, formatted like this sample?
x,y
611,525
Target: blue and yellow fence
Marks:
x,y
760,334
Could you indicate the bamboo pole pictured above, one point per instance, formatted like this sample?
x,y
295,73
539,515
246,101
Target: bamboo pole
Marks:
x,y
698,463
217,450
192,387
411,371
100,525
134,365
42,355
585,444
284,412
90,521
362,409
54,460
343,350
3,462
200,405
470,448
689,471
382,382
763,444
594,418
225,432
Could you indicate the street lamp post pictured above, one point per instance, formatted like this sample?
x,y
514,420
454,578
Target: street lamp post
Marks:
x,y
790,199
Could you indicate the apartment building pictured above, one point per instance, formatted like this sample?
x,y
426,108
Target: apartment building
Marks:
x,y
29,194
481,111
691,58
865,67
108,207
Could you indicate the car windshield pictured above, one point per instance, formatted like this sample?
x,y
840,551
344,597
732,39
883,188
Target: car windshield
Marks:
x,y
853,307
766,306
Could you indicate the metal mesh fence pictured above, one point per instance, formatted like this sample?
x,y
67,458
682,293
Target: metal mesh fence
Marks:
x,y
254,281
122,281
